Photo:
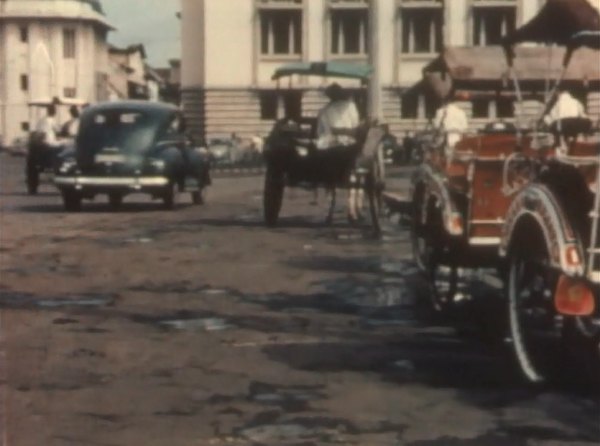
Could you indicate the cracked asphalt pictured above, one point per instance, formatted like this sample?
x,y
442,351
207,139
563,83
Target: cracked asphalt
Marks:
x,y
203,327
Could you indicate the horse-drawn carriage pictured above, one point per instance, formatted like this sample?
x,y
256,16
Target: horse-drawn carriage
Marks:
x,y
528,203
292,159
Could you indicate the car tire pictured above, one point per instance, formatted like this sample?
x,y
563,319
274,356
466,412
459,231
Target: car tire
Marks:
x,y
198,196
71,200
170,196
115,200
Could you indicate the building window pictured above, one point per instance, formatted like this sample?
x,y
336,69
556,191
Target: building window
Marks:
x,y
24,33
422,30
69,43
280,32
70,92
24,82
25,126
349,31
276,104
491,22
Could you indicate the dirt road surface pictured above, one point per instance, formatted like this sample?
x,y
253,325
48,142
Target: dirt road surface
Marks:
x,y
202,327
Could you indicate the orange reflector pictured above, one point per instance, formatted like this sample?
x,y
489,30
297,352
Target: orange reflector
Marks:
x,y
573,297
456,227
572,256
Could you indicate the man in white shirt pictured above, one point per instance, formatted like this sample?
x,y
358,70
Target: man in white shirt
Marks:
x,y
338,120
47,128
452,121
566,106
71,127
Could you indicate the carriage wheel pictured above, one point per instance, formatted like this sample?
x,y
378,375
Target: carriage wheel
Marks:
x,y
375,191
536,328
420,237
33,178
273,195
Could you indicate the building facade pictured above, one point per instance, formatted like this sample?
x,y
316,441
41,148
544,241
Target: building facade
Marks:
x,y
231,48
49,48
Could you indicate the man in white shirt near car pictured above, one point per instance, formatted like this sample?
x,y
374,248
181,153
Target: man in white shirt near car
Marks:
x,y
47,128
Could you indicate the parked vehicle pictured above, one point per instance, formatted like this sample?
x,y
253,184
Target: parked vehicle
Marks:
x,y
127,147
293,161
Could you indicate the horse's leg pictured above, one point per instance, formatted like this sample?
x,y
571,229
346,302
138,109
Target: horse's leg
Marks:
x,y
331,206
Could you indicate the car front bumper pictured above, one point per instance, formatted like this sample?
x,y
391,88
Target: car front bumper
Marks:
x,y
128,183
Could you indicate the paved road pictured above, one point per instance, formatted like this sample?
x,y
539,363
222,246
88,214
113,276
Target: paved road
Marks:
x,y
202,327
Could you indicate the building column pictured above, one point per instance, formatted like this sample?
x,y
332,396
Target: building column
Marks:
x,y
375,93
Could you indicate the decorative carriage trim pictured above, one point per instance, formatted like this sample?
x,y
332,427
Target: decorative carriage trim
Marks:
x,y
537,201
435,188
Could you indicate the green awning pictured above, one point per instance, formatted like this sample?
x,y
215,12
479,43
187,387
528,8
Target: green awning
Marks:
x,y
325,69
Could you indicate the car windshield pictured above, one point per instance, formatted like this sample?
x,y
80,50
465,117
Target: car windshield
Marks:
x,y
123,130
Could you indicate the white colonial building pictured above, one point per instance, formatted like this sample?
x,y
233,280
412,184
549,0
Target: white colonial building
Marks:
x,y
49,48
231,48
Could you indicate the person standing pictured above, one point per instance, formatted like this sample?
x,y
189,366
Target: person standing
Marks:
x,y
47,128
71,127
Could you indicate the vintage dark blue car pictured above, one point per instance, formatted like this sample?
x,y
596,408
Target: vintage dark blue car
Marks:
x,y
131,147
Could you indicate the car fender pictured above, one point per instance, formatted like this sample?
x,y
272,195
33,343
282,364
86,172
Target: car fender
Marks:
x,y
434,188
538,202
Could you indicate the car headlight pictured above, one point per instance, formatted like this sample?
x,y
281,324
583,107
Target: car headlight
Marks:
x,y
157,164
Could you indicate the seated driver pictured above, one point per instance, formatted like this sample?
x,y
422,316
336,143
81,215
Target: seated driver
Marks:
x,y
338,120
566,106
564,119
452,122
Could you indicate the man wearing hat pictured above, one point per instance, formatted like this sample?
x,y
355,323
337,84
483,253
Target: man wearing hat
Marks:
x,y
338,120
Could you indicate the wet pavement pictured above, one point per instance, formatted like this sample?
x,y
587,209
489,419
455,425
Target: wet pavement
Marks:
x,y
203,327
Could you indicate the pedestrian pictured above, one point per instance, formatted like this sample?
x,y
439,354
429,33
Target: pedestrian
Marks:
x,y
47,128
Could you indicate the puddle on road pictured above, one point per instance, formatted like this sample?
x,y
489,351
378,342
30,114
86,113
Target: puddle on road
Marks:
x,y
139,240
278,433
19,300
203,324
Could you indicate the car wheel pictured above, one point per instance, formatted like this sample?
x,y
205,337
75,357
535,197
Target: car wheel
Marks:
x,y
115,200
71,200
170,196
273,195
535,326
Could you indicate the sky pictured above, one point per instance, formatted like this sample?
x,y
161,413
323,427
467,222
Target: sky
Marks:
x,y
150,22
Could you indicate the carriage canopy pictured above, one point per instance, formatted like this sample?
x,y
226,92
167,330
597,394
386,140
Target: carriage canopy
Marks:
x,y
325,69
570,23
